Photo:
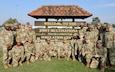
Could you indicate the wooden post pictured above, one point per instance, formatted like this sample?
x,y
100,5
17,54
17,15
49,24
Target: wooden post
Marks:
x,y
46,21
73,20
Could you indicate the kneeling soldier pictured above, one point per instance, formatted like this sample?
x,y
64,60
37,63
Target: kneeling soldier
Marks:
x,y
18,54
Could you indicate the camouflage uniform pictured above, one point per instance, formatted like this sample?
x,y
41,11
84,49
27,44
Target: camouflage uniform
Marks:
x,y
88,51
18,55
110,43
78,47
38,48
66,49
31,33
7,42
29,51
23,35
48,47
72,43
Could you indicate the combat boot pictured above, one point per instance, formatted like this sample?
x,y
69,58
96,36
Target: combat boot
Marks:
x,y
102,69
88,65
20,63
27,62
5,66
9,65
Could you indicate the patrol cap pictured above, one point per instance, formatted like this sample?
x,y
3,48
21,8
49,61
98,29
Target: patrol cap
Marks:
x,y
109,26
98,24
18,39
11,25
104,25
7,24
55,39
30,39
30,26
81,34
81,23
15,23
74,34
48,39
99,41
87,38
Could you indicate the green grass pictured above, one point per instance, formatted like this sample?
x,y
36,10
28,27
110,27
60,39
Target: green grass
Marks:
x,y
53,66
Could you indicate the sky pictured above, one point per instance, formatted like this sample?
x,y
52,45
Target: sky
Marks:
x,y
104,9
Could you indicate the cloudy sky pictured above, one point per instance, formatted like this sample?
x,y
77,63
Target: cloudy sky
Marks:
x,y
104,9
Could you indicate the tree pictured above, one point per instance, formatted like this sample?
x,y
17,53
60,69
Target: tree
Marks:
x,y
95,21
10,21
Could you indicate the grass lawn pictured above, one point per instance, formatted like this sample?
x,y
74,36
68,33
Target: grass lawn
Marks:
x,y
53,66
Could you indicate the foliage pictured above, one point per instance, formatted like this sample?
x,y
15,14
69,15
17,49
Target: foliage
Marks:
x,y
10,21
95,21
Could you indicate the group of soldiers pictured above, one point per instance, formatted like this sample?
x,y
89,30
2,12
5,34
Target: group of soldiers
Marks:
x,y
91,46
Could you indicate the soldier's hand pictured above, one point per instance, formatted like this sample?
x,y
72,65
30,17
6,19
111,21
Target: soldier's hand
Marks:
x,y
18,58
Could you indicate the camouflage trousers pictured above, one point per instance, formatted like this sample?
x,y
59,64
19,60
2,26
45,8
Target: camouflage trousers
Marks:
x,y
6,55
88,57
112,57
47,56
15,62
38,55
30,57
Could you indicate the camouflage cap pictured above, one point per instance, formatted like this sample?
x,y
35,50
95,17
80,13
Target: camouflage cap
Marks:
x,y
99,41
48,39
81,23
109,26
18,39
55,39
30,26
15,23
74,34
98,24
81,34
30,39
7,24
104,25
87,38
11,25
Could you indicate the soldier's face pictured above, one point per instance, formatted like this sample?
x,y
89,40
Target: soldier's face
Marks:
x,y
18,43
110,29
30,41
48,41
65,41
87,40
99,26
99,45
22,27
81,36
7,28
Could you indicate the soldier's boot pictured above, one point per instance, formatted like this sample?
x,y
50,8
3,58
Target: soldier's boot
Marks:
x,y
5,66
27,62
74,59
58,58
9,65
102,69
20,63
49,59
67,58
88,65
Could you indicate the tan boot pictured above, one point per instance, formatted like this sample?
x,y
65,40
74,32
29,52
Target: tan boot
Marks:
x,y
9,65
20,63
74,59
5,66
102,69
27,62
88,65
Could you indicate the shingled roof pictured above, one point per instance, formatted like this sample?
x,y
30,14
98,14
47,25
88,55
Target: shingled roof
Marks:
x,y
57,11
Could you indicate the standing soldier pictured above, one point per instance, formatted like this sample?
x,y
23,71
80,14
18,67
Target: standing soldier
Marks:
x,y
101,52
47,50
67,49
109,43
38,47
82,28
29,51
17,54
31,33
78,46
23,35
7,42
72,43
88,51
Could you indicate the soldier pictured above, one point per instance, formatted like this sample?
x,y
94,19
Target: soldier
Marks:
x,y
109,43
7,42
101,52
31,33
38,47
88,51
17,54
22,33
82,28
47,50
72,43
29,51
79,45
66,49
